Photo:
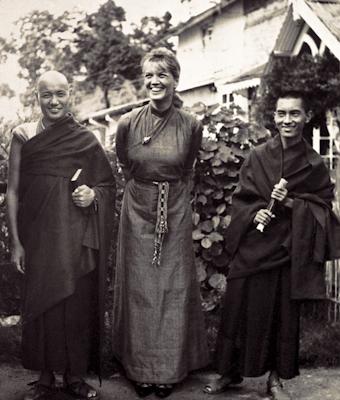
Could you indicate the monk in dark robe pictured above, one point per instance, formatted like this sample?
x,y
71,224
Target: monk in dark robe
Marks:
x,y
60,232
271,271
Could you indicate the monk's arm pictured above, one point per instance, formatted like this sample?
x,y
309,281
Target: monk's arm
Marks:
x,y
17,250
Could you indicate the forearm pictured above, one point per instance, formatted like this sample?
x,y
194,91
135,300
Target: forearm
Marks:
x,y
12,214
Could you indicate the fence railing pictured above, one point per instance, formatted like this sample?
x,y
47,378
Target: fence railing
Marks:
x,y
333,267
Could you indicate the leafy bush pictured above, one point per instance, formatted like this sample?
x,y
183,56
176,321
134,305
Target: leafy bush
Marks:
x,y
227,141
4,149
316,77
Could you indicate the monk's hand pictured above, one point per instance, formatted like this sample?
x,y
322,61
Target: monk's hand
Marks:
x,y
83,196
279,193
18,257
263,217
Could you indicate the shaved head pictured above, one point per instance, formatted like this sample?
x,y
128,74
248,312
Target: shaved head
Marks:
x,y
53,95
52,76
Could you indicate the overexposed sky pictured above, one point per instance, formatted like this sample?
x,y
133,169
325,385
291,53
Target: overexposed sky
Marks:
x,y
12,10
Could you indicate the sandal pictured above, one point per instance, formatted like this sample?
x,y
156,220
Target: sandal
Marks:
x,y
81,389
163,391
276,391
221,384
143,389
38,391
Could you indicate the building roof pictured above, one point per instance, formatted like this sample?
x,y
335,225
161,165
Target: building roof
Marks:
x,y
255,72
196,19
248,79
322,16
329,14
290,31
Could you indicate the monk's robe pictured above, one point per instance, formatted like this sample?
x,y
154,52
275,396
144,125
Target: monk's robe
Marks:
x,y
270,271
66,247
158,325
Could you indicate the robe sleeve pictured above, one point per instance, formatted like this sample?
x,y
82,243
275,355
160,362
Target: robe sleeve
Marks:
x,y
20,135
246,201
194,146
122,145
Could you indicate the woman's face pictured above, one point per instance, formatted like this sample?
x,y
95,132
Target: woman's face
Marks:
x,y
159,81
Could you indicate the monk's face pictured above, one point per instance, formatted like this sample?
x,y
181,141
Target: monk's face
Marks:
x,y
159,81
290,117
53,94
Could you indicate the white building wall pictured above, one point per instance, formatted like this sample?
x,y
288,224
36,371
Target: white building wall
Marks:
x,y
262,28
236,44
203,56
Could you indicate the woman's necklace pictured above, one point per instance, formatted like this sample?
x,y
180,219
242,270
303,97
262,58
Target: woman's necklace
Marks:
x,y
159,120
146,139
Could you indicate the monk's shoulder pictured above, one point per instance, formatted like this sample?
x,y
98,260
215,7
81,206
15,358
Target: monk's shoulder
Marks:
x,y
25,131
260,149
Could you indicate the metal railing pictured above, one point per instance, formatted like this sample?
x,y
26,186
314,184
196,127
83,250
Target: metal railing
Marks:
x,y
333,267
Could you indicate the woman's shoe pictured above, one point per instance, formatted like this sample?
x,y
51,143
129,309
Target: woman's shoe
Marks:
x,y
143,389
221,384
163,391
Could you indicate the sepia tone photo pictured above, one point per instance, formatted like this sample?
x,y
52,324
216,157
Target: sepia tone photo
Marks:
x,y
169,199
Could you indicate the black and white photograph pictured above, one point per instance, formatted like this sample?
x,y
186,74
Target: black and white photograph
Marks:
x,y
170,199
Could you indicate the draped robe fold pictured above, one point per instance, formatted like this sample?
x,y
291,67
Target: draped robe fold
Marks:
x,y
54,232
158,332
269,271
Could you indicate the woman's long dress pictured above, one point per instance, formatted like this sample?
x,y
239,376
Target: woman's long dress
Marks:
x,y
158,333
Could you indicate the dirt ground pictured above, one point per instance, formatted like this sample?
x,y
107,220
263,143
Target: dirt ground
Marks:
x,y
312,384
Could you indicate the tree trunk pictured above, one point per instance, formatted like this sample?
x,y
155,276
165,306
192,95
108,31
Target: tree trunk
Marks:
x,y
106,98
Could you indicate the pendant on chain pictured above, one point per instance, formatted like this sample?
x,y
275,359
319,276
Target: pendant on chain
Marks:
x,y
146,140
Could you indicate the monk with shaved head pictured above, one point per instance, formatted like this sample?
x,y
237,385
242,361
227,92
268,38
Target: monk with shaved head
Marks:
x,y
60,211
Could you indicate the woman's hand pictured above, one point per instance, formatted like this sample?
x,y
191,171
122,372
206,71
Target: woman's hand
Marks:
x,y
83,196
18,257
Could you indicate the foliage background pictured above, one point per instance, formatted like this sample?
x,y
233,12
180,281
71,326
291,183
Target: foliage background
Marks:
x,y
317,78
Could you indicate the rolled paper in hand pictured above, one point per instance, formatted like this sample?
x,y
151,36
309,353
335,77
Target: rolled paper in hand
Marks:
x,y
271,204
74,179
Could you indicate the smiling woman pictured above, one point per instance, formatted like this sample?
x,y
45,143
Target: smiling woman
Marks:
x,y
161,74
158,332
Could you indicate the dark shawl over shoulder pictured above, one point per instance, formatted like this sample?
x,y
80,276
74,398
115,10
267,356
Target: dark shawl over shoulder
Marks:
x,y
304,237
52,229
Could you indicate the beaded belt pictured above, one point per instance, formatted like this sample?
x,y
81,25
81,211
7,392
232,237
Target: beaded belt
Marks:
x,y
162,217
162,221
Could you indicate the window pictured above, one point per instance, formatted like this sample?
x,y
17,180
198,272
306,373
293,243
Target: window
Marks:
x,y
207,30
326,140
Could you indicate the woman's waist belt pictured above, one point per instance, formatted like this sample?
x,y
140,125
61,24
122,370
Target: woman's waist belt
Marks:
x,y
161,227
149,182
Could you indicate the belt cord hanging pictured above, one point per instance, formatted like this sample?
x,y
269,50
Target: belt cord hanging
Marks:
x,y
162,221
